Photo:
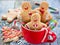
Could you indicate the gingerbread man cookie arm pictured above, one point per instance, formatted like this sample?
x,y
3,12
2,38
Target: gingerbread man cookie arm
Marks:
x,y
27,25
38,10
4,17
21,13
35,10
49,16
44,25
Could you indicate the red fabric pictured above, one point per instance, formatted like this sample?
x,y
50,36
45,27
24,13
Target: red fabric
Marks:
x,y
42,12
30,13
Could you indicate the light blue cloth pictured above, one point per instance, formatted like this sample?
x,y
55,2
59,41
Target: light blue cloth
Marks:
x,y
5,5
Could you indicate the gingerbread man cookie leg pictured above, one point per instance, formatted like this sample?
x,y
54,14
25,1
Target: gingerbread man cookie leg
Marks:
x,y
15,39
7,40
10,10
48,16
4,17
44,11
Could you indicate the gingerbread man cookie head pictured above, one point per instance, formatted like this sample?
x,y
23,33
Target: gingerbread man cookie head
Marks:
x,y
35,17
44,5
26,6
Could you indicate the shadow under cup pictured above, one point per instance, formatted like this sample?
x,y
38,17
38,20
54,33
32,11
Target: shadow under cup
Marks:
x,y
38,36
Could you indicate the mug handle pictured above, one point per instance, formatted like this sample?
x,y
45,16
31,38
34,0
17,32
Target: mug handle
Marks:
x,y
53,36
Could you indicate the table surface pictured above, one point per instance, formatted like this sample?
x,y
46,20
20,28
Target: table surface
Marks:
x,y
5,5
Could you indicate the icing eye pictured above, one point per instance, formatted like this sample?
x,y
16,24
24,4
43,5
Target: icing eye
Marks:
x,y
35,20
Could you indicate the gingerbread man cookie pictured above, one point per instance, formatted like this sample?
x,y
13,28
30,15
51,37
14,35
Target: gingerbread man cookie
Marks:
x,y
35,23
25,14
11,15
45,15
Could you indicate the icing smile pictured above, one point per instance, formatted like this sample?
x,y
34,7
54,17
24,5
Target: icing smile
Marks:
x,y
35,20
26,8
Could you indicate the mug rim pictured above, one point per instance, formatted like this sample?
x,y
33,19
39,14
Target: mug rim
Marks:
x,y
34,30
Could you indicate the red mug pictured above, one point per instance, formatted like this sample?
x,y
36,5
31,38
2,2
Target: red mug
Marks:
x,y
38,36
